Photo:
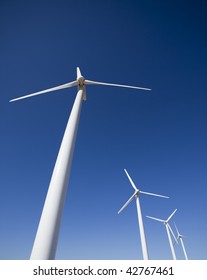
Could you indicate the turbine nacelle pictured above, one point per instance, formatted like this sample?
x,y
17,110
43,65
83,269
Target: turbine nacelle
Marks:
x,y
136,193
81,81
180,236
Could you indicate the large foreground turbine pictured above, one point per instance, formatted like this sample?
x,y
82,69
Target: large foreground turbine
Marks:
x,y
168,229
136,194
45,243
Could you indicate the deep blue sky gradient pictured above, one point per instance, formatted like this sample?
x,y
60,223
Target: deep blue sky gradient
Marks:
x,y
159,136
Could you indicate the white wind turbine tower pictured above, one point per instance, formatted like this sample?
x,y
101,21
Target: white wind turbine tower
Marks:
x,y
180,237
168,229
136,194
48,230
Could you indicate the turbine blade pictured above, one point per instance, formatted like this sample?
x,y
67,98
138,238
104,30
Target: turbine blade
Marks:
x,y
78,73
171,216
172,233
130,179
177,230
153,194
71,84
128,201
179,235
156,219
88,82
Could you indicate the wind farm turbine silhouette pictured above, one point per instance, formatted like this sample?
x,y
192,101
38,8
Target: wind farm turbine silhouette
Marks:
x,y
180,237
168,229
136,195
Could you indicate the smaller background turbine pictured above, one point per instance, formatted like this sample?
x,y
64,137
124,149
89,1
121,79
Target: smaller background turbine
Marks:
x,y
180,237
139,213
169,230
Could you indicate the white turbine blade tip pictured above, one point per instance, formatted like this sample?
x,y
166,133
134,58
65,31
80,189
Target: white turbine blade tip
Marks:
x,y
130,179
120,210
171,215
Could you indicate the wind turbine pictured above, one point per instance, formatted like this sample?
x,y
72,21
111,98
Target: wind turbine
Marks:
x,y
48,230
180,237
168,229
136,194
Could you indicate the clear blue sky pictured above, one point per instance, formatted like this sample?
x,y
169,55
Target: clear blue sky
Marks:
x,y
159,137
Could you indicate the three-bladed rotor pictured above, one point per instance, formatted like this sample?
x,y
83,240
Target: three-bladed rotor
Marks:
x,y
179,236
80,82
137,192
166,223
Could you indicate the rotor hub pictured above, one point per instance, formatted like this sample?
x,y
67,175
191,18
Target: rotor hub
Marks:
x,y
81,80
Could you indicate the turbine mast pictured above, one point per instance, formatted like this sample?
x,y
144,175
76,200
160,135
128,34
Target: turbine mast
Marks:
x,y
142,232
170,241
184,251
45,243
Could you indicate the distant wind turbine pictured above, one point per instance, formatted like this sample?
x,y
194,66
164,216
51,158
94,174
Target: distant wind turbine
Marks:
x,y
136,194
168,229
180,237
48,230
